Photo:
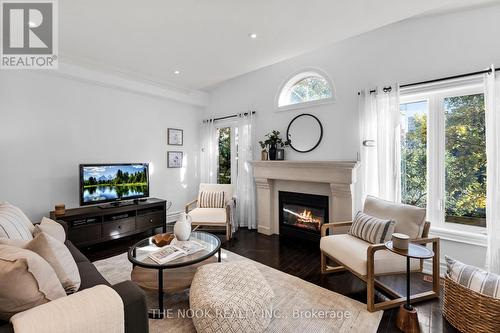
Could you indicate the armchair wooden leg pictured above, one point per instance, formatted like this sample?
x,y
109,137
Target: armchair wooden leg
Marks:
x,y
436,271
323,263
370,285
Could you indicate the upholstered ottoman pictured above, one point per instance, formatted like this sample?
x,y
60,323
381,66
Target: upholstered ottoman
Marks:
x,y
230,297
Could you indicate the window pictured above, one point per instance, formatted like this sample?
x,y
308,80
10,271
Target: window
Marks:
x,y
227,136
224,161
305,88
414,153
443,154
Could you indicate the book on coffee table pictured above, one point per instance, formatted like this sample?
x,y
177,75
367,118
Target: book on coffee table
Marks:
x,y
175,250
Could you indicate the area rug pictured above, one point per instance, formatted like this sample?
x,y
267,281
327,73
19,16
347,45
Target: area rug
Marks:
x,y
299,306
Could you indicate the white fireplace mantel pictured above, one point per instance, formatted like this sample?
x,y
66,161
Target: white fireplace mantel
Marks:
x,y
332,178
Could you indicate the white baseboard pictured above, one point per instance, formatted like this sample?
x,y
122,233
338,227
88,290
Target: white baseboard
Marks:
x,y
427,269
264,230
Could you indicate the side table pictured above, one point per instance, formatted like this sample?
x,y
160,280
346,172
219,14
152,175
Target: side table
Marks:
x,y
407,320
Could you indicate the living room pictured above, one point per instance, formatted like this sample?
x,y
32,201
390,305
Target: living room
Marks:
x,y
257,131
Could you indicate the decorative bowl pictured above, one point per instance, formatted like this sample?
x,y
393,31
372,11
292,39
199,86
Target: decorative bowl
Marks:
x,y
161,240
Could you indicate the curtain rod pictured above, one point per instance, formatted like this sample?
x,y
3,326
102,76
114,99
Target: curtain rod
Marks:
x,y
228,117
387,89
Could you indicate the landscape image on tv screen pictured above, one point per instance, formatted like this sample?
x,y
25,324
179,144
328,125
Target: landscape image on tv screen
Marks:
x,y
112,182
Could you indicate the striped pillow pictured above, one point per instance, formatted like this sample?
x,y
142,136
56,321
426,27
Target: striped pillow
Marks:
x,y
14,224
371,229
212,199
473,278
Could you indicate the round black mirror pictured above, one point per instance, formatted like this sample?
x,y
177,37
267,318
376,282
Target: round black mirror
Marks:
x,y
305,133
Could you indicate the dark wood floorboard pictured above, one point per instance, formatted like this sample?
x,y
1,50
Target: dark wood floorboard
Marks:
x,y
302,259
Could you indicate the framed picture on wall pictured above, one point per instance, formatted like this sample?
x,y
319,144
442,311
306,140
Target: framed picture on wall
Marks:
x,y
174,159
175,137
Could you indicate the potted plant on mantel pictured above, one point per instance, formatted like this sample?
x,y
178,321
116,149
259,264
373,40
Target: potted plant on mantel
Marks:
x,y
276,146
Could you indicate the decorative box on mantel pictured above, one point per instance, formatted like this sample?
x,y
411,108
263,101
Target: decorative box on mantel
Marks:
x,y
333,179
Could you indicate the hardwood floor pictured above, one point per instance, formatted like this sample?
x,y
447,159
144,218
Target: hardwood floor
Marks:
x,y
302,259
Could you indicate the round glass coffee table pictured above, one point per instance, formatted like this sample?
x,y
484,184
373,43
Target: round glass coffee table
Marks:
x,y
138,256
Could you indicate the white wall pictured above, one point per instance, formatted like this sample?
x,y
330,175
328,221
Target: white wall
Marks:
x,y
410,51
49,125
406,52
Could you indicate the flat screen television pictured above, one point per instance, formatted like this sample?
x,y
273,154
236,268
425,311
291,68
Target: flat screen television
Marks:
x,y
101,183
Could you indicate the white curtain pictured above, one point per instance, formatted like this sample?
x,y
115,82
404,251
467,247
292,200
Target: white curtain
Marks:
x,y
209,152
492,105
380,143
245,185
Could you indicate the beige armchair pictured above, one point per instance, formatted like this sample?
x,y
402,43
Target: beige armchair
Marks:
x,y
366,260
213,217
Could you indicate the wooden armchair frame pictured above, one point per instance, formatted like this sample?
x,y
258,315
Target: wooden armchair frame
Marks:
x,y
370,277
226,224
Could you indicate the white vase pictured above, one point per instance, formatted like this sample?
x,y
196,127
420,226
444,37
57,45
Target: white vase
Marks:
x,y
182,228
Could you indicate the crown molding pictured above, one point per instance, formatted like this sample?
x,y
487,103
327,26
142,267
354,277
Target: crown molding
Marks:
x,y
109,79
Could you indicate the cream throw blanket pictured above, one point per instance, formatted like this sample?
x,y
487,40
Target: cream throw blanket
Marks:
x,y
95,310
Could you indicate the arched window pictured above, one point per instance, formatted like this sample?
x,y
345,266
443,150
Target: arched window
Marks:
x,y
305,88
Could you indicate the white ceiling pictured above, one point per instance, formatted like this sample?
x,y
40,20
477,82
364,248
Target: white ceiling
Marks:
x,y
207,40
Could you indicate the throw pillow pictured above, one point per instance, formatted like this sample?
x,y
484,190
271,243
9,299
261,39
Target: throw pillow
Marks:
x,y
13,223
212,199
51,228
371,229
473,278
56,254
26,281
59,257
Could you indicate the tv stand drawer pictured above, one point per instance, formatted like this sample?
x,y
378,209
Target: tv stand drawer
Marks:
x,y
149,221
114,229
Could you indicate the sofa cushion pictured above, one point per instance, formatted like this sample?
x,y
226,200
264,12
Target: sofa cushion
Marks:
x,y
409,220
56,254
352,252
26,281
208,215
371,229
51,228
14,224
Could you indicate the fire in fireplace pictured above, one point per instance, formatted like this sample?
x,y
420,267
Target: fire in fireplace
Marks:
x,y
302,214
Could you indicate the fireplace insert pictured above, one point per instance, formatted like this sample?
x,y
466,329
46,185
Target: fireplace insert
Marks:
x,y
302,215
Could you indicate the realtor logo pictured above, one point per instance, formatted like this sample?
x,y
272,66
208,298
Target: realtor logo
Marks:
x,y
29,34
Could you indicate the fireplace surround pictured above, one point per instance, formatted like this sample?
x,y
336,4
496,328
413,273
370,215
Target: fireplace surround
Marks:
x,y
335,179
301,215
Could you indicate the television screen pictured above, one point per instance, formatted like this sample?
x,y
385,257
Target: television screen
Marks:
x,y
101,183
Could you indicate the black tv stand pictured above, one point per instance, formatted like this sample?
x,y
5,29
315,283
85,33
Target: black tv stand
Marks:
x,y
93,224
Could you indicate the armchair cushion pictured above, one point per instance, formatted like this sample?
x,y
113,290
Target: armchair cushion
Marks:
x,y
208,215
227,188
352,252
212,199
371,229
409,220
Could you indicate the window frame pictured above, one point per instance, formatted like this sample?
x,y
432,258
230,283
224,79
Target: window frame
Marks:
x,y
297,77
436,145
